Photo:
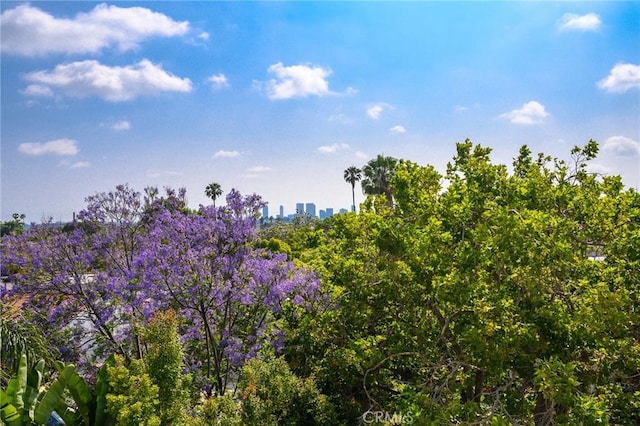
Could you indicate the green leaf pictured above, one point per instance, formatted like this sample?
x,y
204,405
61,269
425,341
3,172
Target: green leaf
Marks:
x,y
18,384
80,392
32,391
102,388
8,412
51,400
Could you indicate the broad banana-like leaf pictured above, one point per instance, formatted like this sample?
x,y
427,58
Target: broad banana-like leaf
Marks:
x,y
102,388
9,415
51,401
30,398
81,393
17,385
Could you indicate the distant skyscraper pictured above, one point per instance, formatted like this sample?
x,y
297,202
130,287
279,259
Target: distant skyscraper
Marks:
x,y
310,209
323,214
299,208
329,212
281,215
265,212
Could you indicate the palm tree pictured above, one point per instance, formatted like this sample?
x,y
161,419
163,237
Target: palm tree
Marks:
x,y
213,191
353,175
377,177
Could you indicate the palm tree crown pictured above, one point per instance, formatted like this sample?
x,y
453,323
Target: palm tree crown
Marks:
x,y
352,175
377,177
213,191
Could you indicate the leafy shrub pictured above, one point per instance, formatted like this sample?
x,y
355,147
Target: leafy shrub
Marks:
x,y
271,394
133,398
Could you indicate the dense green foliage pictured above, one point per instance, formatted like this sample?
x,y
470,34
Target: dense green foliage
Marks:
x,y
482,295
270,394
485,295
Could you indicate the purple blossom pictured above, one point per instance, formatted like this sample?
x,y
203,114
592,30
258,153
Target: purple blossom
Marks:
x,y
132,254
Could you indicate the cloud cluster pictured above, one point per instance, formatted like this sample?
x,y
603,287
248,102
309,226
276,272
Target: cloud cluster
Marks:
x,y
55,147
398,129
114,84
121,126
218,81
375,111
621,78
573,22
622,145
532,112
333,148
297,81
29,31
226,154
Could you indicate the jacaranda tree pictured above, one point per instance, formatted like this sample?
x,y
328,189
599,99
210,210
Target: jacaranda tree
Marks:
x,y
206,267
132,254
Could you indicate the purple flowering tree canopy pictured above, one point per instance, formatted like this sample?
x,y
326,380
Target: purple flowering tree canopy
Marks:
x,y
131,254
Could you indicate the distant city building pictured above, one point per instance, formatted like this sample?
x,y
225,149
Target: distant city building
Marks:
x,y
310,209
328,212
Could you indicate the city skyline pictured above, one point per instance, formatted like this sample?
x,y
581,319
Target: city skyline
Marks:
x,y
279,98
319,213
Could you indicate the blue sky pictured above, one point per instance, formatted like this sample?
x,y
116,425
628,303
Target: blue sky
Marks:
x,y
279,98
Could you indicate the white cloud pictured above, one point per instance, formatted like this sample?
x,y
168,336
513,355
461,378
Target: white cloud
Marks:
x,y
121,126
297,81
621,145
29,31
38,91
115,84
588,22
333,148
204,36
226,154
398,129
621,78
55,147
374,111
531,113
218,81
